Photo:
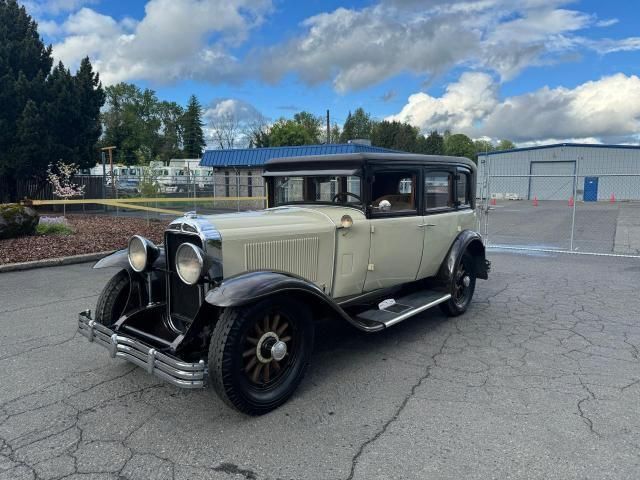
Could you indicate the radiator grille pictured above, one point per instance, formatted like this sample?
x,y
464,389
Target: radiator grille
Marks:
x,y
297,255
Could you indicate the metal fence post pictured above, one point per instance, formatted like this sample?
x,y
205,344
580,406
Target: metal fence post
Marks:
x,y
573,212
238,189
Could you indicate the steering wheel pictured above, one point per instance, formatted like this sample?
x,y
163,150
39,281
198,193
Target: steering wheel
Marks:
x,y
345,194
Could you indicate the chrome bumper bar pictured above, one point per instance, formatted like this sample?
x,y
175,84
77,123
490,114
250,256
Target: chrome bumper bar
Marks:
x,y
175,371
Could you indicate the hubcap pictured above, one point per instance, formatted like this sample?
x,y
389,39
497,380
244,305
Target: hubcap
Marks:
x,y
279,350
466,281
269,345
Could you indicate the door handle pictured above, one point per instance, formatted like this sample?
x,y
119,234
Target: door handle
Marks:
x,y
427,225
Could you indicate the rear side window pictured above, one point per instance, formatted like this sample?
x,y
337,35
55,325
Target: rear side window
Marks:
x,y
463,190
394,192
438,190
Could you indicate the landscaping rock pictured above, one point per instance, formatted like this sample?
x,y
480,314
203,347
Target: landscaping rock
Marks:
x,y
17,220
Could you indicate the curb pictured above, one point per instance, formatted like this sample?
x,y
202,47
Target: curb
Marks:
x,y
54,262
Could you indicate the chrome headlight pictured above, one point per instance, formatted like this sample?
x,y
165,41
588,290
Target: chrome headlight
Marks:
x,y
190,263
142,253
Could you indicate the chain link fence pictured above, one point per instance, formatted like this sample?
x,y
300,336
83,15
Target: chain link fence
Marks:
x,y
152,194
564,212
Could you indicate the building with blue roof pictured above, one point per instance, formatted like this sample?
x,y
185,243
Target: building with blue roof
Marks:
x,y
255,158
238,172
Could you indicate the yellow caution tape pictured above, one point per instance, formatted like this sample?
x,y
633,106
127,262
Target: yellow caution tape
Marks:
x,y
142,200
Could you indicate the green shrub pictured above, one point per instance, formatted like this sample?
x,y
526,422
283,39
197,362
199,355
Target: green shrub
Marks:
x,y
53,229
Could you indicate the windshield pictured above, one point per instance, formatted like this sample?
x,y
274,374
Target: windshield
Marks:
x,y
344,190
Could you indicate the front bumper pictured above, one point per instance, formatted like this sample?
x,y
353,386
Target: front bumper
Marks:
x,y
171,369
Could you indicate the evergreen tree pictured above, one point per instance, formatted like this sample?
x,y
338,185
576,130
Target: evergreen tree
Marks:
x,y
193,136
45,115
24,65
88,128
358,125
434,144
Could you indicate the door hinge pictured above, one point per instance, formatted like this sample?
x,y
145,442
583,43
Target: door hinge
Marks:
x,y
371,267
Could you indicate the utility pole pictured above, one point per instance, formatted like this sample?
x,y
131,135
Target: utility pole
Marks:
x,y
328,129
113,180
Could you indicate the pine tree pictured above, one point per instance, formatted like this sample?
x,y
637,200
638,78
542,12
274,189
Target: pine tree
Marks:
x,y
434,144
193,136
45,115
358,125
24,65
88,126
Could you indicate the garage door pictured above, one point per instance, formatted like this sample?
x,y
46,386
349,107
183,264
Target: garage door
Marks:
x,y
551,188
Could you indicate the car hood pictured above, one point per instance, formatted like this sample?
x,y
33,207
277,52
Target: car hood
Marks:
x,y
273,222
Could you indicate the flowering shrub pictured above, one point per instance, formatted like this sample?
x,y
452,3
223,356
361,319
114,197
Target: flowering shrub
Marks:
x,y
61,182
54,220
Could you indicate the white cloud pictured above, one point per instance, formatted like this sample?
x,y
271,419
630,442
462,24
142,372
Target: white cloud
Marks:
x,y
172,42
355,48
54,7
463,104
225,108
608,108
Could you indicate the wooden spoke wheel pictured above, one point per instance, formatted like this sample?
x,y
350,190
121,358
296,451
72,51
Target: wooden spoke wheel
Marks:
x,y
259,353
269,349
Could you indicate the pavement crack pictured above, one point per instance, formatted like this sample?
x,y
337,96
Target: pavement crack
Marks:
x,y
397,413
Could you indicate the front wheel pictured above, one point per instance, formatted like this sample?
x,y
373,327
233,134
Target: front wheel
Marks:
x,y
259,353
462,286
113,299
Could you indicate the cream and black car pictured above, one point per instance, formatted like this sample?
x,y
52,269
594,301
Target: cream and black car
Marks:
x,y
231,300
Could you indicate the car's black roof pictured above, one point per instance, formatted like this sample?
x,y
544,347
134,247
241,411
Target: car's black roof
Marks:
x,y
360,159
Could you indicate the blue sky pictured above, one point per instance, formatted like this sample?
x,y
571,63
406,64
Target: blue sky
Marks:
x,y
531,70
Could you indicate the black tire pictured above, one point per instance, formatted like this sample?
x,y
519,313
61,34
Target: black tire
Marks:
x,y
461,294
230,368
113,299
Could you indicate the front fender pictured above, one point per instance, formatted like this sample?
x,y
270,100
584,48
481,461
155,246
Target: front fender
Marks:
x,y
466,240
249,287
120,259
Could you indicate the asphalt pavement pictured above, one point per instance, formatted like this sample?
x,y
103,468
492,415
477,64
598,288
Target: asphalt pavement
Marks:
x,y
540,379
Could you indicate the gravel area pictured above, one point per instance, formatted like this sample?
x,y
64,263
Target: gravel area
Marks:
x,y
92,233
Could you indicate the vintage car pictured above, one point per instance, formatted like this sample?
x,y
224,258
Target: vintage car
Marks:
x,y
231,300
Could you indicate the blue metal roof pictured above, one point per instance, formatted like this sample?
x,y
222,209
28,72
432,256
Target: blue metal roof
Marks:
x,y
554,145
251,157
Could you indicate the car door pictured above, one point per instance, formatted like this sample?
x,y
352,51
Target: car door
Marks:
x,y
440,218
397,236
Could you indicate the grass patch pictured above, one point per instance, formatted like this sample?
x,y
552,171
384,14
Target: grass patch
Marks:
x,y
53,229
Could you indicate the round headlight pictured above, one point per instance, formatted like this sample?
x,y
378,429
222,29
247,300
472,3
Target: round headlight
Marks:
x,y
138,253
189,263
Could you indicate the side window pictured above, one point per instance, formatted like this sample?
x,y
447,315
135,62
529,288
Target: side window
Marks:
x,y
394,192
462,190
438,190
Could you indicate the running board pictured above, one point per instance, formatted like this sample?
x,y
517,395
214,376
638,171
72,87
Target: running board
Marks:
x,y
392,311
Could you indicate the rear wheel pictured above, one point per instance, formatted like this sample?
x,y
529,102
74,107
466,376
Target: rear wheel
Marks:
x,y
463,284
113,299
259,353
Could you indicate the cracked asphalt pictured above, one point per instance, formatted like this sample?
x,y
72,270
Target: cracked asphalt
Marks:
x,y
540,379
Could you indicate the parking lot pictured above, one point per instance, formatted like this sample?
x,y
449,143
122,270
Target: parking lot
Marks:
x,y
600,227
540,379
